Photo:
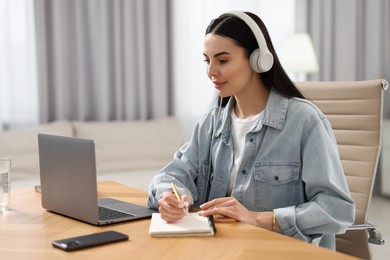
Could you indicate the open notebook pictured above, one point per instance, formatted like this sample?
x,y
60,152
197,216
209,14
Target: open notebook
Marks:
x,y
191,225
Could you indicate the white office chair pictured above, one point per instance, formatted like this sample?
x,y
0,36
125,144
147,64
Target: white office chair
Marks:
x,y
354,109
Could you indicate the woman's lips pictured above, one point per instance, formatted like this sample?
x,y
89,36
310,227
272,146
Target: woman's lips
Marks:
x,y
218,85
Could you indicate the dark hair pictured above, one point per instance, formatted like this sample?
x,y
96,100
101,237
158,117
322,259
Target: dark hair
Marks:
x,y
228,25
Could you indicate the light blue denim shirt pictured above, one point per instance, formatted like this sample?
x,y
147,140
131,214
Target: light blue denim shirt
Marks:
x,y
291,165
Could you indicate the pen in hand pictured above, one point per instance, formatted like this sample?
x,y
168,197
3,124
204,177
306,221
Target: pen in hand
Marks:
x,y
177,194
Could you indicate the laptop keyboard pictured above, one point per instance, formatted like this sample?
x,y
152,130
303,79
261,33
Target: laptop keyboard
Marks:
x,y
109,214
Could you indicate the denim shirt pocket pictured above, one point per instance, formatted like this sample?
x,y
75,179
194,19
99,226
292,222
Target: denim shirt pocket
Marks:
x,y
276,185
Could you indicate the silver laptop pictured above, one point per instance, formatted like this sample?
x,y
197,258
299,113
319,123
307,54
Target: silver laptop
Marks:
x,y
69,186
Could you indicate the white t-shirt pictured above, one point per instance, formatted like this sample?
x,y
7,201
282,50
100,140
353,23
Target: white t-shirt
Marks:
x,y
240,127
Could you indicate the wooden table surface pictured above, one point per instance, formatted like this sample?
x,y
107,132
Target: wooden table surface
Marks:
x,y
26,232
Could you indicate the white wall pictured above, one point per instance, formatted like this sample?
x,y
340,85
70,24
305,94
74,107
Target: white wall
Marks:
x,y
193,90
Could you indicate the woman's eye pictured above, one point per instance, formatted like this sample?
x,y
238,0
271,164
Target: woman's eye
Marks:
x,y
220,61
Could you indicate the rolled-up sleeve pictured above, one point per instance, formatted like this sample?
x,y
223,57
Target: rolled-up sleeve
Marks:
x,y
181,172
184,168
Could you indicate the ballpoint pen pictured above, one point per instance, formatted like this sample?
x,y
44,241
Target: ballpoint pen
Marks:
x,y
177,194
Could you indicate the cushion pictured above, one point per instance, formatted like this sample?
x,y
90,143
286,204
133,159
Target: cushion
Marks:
x,y
22,146
128,145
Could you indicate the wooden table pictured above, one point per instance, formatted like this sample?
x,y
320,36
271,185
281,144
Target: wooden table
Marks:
x,y
26,232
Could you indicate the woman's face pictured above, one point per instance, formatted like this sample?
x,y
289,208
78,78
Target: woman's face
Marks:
x,y
227,65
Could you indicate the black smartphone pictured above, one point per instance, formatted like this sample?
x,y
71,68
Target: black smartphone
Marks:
x,y
80,242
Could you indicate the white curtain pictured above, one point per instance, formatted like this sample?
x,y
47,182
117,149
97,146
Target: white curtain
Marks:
x,y
103,60
18,76
352,40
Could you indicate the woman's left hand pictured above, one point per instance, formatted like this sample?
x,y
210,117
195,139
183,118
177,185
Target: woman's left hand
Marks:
x,y
229,207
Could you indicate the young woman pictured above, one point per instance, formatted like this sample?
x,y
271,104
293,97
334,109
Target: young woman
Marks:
x,y
266,155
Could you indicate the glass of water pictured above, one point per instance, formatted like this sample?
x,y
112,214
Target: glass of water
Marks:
x,y
5,184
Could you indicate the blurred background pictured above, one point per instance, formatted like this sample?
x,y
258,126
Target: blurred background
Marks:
x,y
107,60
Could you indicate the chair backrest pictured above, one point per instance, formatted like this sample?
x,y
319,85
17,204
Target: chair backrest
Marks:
x,y
354,109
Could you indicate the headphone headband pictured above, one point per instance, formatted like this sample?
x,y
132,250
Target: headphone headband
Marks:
x,y
261,60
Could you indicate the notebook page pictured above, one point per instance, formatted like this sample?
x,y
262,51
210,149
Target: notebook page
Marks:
x,y
190,225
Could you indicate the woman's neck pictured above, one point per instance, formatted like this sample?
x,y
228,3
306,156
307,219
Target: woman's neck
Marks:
x,y
251,102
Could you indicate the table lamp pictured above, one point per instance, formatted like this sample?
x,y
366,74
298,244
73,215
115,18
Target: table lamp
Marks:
x,y
297,56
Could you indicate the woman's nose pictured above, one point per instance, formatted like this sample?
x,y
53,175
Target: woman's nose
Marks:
x,y
212,70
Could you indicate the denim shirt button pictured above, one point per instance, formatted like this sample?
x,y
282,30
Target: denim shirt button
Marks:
x,y
276,178
243,172
251,140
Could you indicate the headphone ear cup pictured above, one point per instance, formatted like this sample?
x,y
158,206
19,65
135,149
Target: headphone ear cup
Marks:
x,y
267,61
260,63
254,61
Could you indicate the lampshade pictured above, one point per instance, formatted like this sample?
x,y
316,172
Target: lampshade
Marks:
x,y
297,54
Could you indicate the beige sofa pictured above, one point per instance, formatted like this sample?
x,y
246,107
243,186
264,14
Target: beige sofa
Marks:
x,y
129,152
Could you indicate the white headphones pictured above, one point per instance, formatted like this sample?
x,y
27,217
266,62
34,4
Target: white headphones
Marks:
x,y
261,59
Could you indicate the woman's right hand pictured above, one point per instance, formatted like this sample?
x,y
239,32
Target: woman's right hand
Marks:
x,y
171,209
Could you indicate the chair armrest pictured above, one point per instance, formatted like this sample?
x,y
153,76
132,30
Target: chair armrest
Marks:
x,y
374,236
385,85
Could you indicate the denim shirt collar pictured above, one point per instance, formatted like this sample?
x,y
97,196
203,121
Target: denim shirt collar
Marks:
x,y
274,114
